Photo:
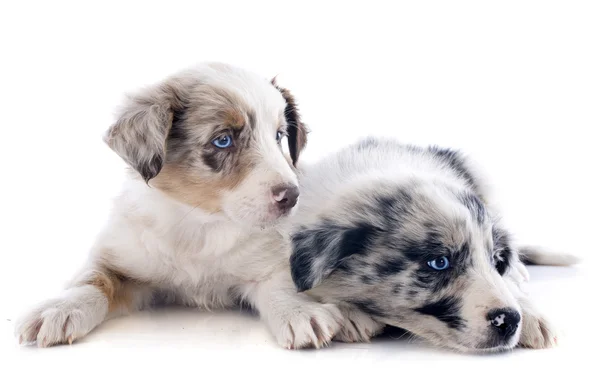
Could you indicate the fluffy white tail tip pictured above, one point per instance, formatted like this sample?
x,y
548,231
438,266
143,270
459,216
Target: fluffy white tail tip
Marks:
x,y
541,256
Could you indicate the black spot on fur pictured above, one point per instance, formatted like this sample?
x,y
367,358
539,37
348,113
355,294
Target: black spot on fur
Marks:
x,y
390,265
397,288
386,204
367,279
455,160
430,247
368,307
297,130
355,241
475,206
502,250
328,241
392,207
367,143
446,310
214,158
177,132
301,259
431,280
501,266
150,169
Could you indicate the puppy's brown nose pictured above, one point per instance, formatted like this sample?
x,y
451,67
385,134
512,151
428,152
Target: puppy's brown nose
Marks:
x,y
285,196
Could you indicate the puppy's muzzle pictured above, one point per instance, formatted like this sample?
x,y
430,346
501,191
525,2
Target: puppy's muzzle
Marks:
x,y
285,197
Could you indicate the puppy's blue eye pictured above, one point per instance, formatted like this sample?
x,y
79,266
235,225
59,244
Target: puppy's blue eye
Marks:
x,y
439,264
223,142
279,135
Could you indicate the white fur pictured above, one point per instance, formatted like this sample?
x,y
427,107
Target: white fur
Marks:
x,y
183,254
340,190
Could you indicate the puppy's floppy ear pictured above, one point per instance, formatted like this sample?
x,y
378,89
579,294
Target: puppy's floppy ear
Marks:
x,y
140,133
297,130
320,249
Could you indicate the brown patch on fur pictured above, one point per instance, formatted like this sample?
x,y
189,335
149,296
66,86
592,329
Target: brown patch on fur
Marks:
x,y
233,118
117,289
166,133
121,289
198,189
195,172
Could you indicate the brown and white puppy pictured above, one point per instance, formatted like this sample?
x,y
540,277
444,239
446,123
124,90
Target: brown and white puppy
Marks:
x,y
196,223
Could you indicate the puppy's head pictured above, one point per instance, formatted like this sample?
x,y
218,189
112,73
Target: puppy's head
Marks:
x,y
211,137
420,256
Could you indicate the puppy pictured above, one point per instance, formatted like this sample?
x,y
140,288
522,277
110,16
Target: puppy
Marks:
x,y
197,222
406,236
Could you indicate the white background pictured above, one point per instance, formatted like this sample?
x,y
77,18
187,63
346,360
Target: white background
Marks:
x,y
516,84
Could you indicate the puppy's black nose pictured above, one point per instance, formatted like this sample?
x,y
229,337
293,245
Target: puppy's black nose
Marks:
x,y
505,321
285,196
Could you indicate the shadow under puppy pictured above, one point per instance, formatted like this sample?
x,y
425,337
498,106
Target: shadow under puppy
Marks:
x,y
197,221
405,236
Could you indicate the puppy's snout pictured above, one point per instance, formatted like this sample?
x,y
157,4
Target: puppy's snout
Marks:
x,y
505,321
285,196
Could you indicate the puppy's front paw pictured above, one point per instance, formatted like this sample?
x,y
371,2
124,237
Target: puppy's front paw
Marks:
x,y
538,333
357,326
62,320
307,325
55,323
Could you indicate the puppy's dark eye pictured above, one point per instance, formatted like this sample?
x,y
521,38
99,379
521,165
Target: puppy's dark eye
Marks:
x,y
223,141
279,135
439,264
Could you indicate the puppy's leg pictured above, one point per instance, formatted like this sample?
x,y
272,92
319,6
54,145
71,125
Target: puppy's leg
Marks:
x,y
94,295
296,319
536,331
357,326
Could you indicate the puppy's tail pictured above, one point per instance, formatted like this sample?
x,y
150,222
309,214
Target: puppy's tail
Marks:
x,y
539,256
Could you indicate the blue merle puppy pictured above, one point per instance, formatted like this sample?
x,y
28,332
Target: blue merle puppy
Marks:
x,y
407,236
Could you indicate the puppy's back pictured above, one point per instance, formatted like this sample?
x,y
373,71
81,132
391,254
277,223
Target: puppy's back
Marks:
x,y
376,159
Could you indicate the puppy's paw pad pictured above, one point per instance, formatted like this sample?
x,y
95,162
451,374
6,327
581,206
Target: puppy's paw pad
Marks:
x,y
538,333
310,325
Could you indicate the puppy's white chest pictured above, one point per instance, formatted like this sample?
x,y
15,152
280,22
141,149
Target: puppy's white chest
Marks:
x,y
215,254
176,247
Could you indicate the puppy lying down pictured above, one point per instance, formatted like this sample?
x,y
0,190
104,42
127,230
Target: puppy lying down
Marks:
x,y
406,236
